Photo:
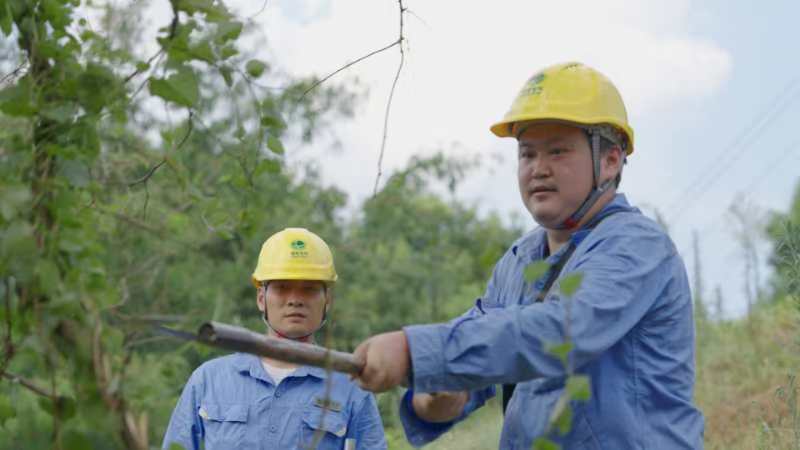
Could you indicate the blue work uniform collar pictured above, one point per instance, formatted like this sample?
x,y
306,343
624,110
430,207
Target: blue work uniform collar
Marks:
x,y
532,247
251,365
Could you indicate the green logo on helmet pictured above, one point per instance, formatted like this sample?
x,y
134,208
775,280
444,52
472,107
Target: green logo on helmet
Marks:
x,y
533,86
298,245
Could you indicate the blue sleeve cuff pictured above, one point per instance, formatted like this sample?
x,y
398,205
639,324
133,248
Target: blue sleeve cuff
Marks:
x,y
418,431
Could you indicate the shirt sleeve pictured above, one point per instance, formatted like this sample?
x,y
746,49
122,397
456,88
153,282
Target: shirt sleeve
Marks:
x,y
622,276
185,427
367,427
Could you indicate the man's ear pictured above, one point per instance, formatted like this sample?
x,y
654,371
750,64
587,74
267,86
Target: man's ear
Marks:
x,y
611,162
261,298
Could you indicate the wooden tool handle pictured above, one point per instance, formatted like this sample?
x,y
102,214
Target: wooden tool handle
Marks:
x,y
239,339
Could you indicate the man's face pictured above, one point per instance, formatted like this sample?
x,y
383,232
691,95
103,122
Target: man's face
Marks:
x,y
294,307
554,172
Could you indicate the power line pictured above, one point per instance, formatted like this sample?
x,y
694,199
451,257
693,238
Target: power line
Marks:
x,y
754,182
703,182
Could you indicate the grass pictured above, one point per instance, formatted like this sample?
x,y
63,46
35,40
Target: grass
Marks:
x,y
480,431
747,380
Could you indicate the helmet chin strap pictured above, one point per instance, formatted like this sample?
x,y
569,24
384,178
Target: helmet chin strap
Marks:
x,y
597,190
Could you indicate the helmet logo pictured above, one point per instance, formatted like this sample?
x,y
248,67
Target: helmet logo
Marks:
x,y
299,249
533,86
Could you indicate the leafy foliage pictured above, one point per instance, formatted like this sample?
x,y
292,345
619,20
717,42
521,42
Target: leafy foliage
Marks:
x,y
112,213
115,214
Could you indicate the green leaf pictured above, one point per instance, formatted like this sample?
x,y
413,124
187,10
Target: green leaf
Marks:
x,y
535,271
213,12
66,407
267,166
542,444
579,387
6,19
564,420
17,101
227,75
228,31
63,407
272,122
83,135
56,13
97,88
255,68
73,440
48,275
571,283
7,410
142,66
175,446
15,198
202,52
181,88
228,51
177,47
560,351
275,145
17,250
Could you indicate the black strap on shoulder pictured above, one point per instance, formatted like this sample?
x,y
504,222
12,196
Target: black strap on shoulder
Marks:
x,y
555,271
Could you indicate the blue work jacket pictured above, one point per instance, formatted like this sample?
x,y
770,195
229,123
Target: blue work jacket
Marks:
x,y
632,330
232,403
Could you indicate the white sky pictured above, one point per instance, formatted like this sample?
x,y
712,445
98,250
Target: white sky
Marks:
x,y
695,76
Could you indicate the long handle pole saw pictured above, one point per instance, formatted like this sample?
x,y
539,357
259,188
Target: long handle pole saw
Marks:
x,y
231,337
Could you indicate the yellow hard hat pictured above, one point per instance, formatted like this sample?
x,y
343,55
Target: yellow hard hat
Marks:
x,y
570,92
295,254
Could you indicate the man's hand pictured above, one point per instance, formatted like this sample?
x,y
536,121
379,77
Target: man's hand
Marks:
x,y
386,361
440,406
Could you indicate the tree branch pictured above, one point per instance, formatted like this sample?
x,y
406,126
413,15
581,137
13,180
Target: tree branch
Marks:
x,y
375,52
27,384
153,169
13,73
257,13
389,102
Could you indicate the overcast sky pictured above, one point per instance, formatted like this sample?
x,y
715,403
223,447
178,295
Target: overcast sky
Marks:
x,y
712,90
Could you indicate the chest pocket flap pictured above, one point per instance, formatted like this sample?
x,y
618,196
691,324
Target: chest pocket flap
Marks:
x,y
224,413
334,422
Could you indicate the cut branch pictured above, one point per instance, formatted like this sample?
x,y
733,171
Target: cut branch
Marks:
x,y
389,102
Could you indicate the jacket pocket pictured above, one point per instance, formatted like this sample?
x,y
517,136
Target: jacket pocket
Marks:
x,y
329,432
225,425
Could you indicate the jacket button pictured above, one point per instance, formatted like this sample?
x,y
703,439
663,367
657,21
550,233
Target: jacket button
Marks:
x,y
273,429
277,394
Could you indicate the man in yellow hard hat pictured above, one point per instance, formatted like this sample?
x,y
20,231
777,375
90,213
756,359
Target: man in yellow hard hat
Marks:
x,y
242,401
628,327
